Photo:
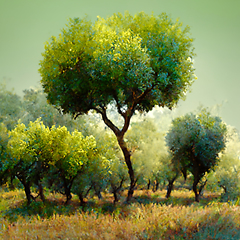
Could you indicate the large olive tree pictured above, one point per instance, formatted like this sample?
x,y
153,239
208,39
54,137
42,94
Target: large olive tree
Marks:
x,y
131,62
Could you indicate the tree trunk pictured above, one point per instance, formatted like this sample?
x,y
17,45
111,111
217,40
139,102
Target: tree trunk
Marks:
x,y
40,189
12,187
149,184
67,190
127,158
170,186
81,198
201,188
157,185
68,195
115,190
120,137
27,191
195,190
116,198
97,190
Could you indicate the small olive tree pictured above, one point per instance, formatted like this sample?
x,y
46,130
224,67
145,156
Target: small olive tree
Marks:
x,y
195,140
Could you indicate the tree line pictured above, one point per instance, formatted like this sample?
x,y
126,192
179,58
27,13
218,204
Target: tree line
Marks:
x,y
82,157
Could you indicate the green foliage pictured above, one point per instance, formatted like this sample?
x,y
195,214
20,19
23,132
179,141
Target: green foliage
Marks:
x,y
106,171
226,174
37,150
35,106
70,151
197,138
10,107
29,144
117,169
4,155
3,139
72,157
122,58
195,142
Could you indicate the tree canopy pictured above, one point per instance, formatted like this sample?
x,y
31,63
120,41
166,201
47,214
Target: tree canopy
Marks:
x,y
136,61
131,62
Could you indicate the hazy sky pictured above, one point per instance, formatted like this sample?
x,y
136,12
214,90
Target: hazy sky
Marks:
x,y
25,25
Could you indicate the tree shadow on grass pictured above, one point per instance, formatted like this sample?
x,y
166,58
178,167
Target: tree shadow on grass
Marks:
x,y
182,198
53,207
56,206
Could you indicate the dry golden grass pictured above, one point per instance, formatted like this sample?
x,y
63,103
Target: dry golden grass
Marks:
x,y
155,218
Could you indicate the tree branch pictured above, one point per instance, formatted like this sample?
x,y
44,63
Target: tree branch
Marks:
x,y
130,111
118,106
144,94
107,121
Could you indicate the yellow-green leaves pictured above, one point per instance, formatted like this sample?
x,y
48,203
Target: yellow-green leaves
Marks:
x,y
52,147
29,143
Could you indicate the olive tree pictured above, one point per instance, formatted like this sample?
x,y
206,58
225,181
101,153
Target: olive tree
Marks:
x,y
195,140
70,155
131,62
30,150
226,174
4,154
11,107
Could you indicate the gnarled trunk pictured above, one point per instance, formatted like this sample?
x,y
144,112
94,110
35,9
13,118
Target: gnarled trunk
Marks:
x,y
67,190
120,138
40,190
195,190
170,185
127,158
27,189
116,189
149,184
81,198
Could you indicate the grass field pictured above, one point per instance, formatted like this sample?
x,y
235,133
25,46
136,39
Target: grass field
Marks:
x,y
148,216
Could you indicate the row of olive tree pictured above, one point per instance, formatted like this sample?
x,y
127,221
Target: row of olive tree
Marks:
x,y
34,105
53,157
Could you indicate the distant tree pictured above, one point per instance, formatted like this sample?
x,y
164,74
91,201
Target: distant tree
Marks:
x,y
11,107
4,154
151,159
227,173
131,62
195,142
35,106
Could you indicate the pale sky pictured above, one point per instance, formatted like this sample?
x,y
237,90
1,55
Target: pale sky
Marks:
x,y
25,25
